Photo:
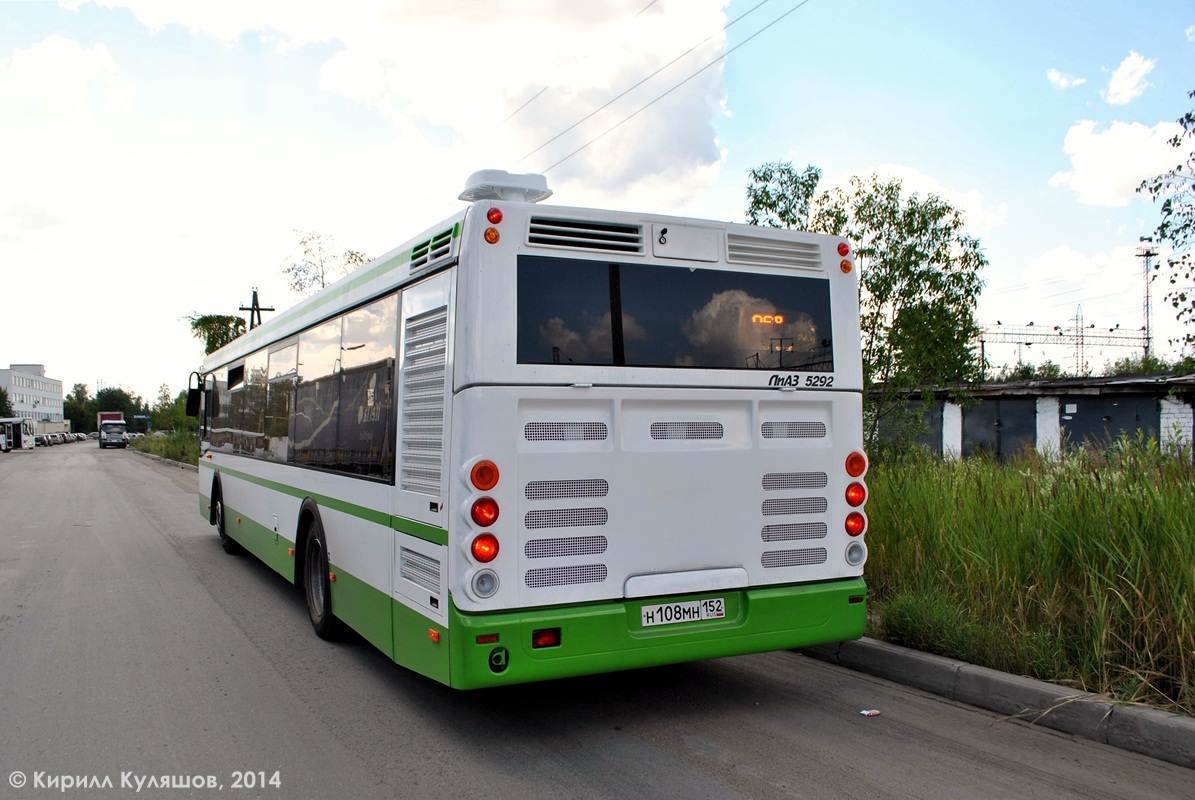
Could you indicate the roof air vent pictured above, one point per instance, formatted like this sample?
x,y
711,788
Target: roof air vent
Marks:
x,y
498,184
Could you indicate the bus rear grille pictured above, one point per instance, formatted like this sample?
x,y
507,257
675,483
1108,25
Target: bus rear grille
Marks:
x,y
565,518
771,252
794,532
686,430
419,570
426,255
564,431
559,490
425,358
795,505
564,576
794,558
774,481
563,547
794,430
583,235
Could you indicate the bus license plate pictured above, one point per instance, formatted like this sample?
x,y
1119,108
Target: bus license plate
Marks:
x,y
690,611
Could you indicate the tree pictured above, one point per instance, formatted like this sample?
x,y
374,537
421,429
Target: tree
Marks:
x,y
317,264
919,276
5,405
1176,190
215,330
75,407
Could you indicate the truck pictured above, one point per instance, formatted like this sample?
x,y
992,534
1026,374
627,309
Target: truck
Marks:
x,y
112,429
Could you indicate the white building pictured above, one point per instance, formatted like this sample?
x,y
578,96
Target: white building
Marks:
x,y
31,394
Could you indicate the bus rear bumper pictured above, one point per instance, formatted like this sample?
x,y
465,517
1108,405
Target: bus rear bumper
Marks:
x,y
501,648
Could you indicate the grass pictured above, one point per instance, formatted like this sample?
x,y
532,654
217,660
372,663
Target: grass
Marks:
x,y
1079,571
177,446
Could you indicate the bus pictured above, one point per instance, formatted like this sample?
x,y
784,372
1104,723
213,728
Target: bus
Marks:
x,y
16,432
540,441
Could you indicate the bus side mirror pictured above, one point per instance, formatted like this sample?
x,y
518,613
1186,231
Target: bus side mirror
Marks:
x,y
193,402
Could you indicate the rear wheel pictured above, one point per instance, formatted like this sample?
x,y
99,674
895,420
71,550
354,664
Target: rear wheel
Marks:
x,y
315,582
227,542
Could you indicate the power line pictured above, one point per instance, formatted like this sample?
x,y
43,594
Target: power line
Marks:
x,y
676,86
627,91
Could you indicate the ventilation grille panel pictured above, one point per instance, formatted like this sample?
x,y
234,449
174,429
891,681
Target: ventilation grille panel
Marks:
x,y
793,558
795,505
564,547
419,570
583,235
775,481
561,490
564,431
425,360
565,576
425,255
565,518
772,252
686,430
794,430
794,532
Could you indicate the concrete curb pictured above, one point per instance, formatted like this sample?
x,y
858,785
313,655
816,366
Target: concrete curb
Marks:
x,y
179,464
1159,734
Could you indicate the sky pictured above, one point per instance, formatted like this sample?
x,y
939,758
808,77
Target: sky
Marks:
x,y
159,157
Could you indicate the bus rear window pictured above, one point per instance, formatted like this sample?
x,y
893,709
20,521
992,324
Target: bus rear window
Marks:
x,y
642,315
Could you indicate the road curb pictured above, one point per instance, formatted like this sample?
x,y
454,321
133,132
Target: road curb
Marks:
x,y
171,462
1149,731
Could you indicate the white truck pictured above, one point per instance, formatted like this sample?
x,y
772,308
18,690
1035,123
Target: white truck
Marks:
x,y
112,429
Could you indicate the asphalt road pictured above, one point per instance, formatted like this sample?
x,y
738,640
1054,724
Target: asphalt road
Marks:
x,y
132,647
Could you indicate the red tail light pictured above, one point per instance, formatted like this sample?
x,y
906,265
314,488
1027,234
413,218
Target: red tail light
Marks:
x,y
856,493
484,512
549,637
494,215
855,523
485,548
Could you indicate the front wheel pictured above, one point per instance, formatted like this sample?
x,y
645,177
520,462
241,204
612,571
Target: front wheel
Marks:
x,y
227,542
316,583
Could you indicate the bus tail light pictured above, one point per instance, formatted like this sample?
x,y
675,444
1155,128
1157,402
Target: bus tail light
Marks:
x,y
484,512
485,586
484,475
548,637
485,549
844,249
494,216
856,464
856,494
855,523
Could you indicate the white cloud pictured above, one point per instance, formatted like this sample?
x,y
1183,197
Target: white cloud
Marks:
x,y
1128,81
979,218
1108,162
1063,80
1190,33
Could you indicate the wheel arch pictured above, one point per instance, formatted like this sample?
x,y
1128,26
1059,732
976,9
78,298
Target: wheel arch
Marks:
x,y
308,513
217,494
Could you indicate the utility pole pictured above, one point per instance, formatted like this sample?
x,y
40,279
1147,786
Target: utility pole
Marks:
x,y
254,310
1146,252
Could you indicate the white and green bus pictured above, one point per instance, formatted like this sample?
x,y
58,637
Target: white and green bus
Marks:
x,y
538,441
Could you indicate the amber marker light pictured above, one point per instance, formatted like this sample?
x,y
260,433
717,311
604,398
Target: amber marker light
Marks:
x,y
846,265
484,475
494,216
856,493
485,547
855,523
492,236
484,512
856,464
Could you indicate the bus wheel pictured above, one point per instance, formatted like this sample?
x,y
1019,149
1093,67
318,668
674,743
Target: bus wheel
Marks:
x,y
227,542
315,574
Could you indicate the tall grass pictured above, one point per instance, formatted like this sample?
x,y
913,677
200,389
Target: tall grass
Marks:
x,y
1079,571
177,446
